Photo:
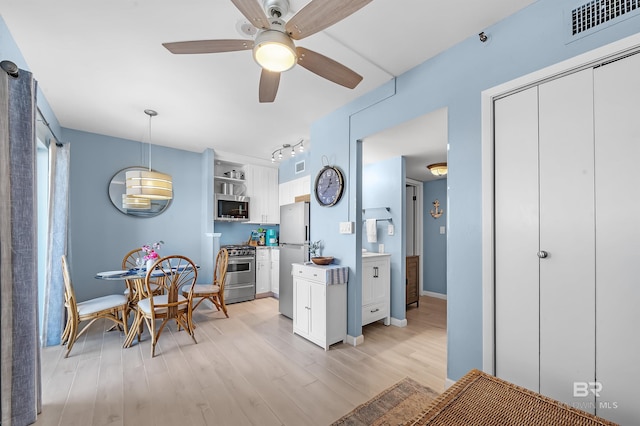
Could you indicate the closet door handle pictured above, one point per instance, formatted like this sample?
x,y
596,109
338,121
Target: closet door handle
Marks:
x,y
542,254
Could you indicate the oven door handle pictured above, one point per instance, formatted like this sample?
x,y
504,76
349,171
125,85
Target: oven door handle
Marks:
x,y
237,259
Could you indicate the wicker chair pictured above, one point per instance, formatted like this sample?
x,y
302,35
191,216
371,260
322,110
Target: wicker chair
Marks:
x,y
114,307
172,273
134,284
214,291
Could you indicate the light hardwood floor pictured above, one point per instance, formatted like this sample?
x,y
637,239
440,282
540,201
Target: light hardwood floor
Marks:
x,y
248,369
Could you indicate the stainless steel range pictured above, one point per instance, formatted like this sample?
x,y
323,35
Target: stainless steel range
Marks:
x,y
241,274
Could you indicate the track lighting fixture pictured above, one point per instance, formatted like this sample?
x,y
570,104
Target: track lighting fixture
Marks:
x,y
299,145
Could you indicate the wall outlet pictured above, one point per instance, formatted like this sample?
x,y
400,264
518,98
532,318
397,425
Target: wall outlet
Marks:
x,y
346,227
380,248
390,229
442,230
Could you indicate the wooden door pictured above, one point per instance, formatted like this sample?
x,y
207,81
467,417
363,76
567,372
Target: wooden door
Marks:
x,y
413,292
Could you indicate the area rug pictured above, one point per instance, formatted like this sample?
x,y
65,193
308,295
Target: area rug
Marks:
x,y
393,406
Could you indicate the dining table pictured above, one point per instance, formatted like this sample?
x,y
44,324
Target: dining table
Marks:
x,y
137,283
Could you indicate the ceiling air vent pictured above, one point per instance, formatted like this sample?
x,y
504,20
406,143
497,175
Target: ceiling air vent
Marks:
x,y
597,12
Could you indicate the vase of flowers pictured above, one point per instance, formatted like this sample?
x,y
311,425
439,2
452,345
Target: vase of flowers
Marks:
x,y
151,253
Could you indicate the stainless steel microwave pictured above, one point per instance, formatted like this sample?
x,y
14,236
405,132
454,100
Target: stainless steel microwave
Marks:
x,y
231,208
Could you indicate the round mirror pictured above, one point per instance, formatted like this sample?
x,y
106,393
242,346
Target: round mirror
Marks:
x,y
133,206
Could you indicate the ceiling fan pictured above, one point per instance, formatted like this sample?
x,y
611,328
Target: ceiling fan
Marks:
x,y
273,47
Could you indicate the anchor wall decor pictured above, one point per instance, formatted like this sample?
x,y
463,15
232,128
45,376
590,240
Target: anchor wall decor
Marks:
x,y
437,212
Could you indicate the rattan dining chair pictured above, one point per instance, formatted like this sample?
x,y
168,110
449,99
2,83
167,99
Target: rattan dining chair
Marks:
x,y
113,307
172,273
214,291
133,285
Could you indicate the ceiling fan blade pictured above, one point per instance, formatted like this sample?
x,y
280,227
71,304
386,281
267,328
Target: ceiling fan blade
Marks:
x,y
328,68
253,12
269,82
320,14
208,46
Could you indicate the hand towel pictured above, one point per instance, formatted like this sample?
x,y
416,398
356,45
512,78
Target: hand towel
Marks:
x,y
372,225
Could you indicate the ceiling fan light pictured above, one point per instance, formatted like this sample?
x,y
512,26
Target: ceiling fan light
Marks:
x,y
438,169
274,51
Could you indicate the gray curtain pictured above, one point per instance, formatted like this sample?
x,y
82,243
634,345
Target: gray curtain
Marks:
x,y
54,312
20,352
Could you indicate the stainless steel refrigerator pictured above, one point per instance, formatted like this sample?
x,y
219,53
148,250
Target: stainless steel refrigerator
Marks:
x,y
294,248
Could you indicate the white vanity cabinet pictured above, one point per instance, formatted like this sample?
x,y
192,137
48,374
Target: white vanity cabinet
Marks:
x,y
320,303
376,287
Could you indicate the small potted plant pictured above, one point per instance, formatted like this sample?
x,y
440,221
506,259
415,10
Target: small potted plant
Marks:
x,y
314,252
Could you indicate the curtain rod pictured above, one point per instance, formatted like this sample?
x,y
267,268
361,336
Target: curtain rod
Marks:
x,y
46,123
13,70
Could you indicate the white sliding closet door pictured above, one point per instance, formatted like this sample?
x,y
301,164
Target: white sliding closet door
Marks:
x,y
516,239
567,239
617,99
567,223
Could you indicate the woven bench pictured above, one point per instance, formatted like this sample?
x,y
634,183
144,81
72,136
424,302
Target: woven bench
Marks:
x,y
482,399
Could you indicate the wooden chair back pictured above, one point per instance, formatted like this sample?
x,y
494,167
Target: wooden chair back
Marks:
x,y
172,273
69,294
220,273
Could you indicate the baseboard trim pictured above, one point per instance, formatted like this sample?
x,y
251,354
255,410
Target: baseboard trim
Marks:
x,y
448,383
354,341
434,294
398,323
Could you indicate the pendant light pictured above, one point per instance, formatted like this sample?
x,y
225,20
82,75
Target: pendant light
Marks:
x,y
135,203
149,184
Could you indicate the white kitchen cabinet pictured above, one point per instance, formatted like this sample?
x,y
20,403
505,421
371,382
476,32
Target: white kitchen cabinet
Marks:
x,y
275,270
263,192
294,188
320,303
263,271
267,271
376,287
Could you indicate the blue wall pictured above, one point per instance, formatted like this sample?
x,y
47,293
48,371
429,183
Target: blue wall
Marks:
x,y
532,39
383,186
287,171
100,235
237,233
434,262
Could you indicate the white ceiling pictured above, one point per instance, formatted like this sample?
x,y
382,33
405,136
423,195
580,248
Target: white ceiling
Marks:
x,y
100,64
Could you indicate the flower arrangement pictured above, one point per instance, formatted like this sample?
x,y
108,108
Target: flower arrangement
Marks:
x,y
151,250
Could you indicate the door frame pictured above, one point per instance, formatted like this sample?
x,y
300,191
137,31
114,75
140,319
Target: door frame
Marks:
x,y
617,49
418,228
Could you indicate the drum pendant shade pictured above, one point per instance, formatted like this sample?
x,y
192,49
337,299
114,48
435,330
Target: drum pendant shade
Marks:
x,y
148,184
